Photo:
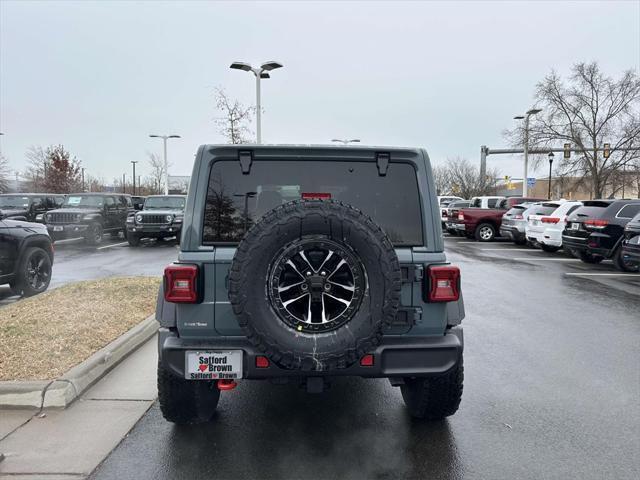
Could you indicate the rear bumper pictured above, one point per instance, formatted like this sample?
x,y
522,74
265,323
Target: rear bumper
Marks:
x,y
396,356
592,244
512,233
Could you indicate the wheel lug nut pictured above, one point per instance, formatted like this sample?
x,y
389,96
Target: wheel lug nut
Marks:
x,y
304,287
308,274
323,273
327,286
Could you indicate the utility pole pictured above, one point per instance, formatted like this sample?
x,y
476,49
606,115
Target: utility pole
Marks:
x,y
83,179
133,162
123,184
551,155
525,178
259,72
166,163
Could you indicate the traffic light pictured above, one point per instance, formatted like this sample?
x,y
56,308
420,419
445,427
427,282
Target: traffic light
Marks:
x,y
606,150
567,150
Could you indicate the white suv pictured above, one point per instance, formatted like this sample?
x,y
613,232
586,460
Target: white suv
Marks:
x,y
546,230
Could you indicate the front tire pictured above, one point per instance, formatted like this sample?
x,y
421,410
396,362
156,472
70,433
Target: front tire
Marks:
x,y
34,273
485,232
434,398
186,401
94,235
133,240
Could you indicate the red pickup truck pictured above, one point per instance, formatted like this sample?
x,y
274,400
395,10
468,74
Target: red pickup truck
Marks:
x,y
484,223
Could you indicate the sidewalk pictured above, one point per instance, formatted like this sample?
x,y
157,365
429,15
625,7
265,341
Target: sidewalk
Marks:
x,y
71,443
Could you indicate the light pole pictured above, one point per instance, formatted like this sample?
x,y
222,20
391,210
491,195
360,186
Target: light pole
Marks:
x,y
533,111
166,164
259,73
83,179
345,141
551,155
133,162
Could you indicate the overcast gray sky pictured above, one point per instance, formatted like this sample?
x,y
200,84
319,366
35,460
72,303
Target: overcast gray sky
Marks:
x,y
98,77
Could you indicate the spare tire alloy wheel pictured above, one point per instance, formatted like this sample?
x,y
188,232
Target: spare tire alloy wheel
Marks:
x,y
316,284
313,284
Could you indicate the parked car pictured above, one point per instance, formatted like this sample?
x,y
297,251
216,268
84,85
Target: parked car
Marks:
x,y
296,281
29,206
595,231
631,244
89,215
161,217
485,202
514,222
484,223
137,202
445,200
450,213
545,230
26,256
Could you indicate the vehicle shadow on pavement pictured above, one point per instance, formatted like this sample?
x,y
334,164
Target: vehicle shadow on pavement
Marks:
x,y
358,429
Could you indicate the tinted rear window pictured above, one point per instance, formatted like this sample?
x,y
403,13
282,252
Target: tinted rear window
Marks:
x,y
542,210
589,211
516,210
235,201
629,211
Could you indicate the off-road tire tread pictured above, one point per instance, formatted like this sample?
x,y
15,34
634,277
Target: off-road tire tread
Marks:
x,y
262,231
183,401
434,398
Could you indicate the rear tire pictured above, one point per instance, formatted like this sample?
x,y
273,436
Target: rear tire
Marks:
x,y
94,234
587,257
485,232
620,263
549,248
434,398
186,401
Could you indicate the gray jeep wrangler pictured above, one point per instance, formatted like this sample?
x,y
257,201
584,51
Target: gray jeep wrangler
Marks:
x,y
304,263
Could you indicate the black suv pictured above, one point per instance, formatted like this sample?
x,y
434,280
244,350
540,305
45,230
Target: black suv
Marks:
x,y
89,215
161,217
29,206
595,231
631,244
302,264
26,256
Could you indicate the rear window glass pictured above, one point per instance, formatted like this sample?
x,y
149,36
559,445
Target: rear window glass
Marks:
x,y
589,211
236,201
542,210
516,210
629,211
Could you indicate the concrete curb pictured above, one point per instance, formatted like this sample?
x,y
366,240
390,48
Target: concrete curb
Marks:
x,y
61,392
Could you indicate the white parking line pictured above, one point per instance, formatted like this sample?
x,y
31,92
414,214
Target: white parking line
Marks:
x,y
112,245
604,274
536,259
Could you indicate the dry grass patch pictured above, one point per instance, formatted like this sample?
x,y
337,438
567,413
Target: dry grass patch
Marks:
x,y
44,336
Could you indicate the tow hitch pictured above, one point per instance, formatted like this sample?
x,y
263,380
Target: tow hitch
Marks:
x,y
226,384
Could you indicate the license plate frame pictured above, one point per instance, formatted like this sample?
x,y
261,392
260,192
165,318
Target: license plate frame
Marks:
x,y
213,364
575,226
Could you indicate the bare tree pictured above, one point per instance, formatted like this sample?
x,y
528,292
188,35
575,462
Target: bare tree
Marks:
x,y
589,110
36,170
460,177
442,179
4,174
155,180
234,122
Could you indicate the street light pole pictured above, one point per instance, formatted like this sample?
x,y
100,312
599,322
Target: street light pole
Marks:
x,y
83,179
260,73
134,175
533,111
166,163
345,141
551,155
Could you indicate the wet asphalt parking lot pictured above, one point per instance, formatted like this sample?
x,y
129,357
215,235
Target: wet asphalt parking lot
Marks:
x,y
552,390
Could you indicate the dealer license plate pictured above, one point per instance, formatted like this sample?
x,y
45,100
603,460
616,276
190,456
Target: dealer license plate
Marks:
x,y
575,226
58,228
213,365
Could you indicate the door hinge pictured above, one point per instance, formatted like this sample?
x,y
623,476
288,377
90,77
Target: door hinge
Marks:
x,y
246,159
412,273
408,316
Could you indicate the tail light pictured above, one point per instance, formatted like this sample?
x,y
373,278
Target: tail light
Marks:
x,y
461,216
444,283
595,224
181,283
518,217
550,219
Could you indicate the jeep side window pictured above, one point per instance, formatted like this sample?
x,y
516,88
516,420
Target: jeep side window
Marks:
x,y
110,203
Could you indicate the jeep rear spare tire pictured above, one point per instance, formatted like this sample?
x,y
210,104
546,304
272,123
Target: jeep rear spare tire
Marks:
x,y
314,283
